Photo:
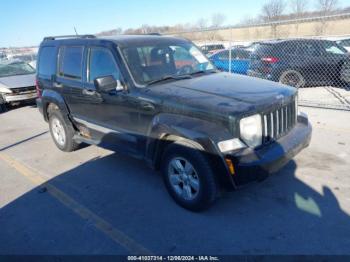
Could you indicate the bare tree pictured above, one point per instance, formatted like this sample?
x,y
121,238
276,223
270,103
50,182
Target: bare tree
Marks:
x,y
299,7
273,10
326,7
202,23
218,20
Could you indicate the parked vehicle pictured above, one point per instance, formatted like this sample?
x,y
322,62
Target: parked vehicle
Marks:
x,y
17,83
203,129
3,56
345,43
240,60
299,62
28,58
209,49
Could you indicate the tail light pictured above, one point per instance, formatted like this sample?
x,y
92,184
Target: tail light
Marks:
x,y
38,90
270,59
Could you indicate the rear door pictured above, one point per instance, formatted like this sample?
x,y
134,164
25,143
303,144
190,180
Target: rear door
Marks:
x,y
70,75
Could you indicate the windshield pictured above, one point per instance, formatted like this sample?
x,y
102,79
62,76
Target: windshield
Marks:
x,y
149,64
18,68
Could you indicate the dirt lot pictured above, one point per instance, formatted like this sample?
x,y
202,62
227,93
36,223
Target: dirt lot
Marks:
x,y
94,201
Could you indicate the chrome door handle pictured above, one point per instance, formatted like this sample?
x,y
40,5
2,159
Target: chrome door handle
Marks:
x,y
57,85
147,107
89,92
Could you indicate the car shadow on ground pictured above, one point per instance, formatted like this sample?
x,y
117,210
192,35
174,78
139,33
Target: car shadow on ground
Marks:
x,y
281,215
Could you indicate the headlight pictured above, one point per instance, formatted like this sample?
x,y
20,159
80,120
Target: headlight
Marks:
x,y
251,130
230,145
5,90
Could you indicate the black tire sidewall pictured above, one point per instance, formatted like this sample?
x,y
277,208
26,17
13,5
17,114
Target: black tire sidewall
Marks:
x,y
208,187
3,107
300,76
59,116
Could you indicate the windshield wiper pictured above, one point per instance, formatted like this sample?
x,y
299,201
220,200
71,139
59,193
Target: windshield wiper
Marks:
x,y
165,78
203,72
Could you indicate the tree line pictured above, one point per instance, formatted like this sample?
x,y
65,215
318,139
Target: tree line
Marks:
x,y
271,11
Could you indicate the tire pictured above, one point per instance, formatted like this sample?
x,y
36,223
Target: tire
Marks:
x,y
182,186
3,107
292,78
58,126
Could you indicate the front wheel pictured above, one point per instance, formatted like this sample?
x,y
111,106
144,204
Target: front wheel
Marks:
x,y
188,176
292,78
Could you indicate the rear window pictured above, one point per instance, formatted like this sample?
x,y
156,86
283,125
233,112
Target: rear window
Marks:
x,y
71,62
47,62
263,49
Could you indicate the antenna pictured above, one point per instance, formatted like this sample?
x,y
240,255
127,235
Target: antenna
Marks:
x,y
75,31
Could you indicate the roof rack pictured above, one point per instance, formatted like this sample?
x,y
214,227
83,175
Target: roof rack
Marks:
x,y
67,36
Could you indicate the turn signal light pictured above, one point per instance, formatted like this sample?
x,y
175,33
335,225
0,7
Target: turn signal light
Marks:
x,y
230,166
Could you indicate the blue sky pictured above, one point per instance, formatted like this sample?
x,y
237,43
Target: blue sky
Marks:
x,y
26,22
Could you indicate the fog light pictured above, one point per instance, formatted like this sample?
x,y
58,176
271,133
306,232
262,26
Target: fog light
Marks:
x,y
230,166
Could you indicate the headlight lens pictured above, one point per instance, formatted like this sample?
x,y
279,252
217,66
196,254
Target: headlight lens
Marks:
x,y
251,130
5,90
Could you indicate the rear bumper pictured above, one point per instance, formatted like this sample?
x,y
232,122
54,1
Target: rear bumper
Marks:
x,y
19,97
257,164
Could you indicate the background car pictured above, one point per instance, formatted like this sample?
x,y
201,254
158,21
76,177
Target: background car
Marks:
x,y
240,60
212,48
300,62
17,83
345,43
28,58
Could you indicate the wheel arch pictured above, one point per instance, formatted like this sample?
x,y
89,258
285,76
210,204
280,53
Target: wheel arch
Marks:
x,y
171,128
52,99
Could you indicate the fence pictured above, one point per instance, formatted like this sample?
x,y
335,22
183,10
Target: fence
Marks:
x,y
304,53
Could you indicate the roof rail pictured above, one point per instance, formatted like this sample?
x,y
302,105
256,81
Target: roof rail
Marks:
x,y
67,36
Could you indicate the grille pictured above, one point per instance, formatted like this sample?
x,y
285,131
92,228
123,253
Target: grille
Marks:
x,y
23,89
279,122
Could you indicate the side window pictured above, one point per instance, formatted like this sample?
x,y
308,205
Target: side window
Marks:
x,y
223,55
47,62
71,62
102,63
308,49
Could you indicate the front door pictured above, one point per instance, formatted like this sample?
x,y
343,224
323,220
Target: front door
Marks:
x,y
110,118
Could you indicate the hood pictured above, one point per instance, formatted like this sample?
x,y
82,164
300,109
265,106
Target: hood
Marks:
x,y
221,94
18,81
241,88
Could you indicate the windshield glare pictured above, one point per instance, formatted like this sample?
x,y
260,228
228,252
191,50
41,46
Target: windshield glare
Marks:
x,y
16,69
151,63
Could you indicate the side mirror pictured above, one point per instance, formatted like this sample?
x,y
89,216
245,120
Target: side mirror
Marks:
x,y
107,84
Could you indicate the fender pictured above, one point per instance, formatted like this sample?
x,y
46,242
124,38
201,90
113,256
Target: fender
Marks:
x,y
170,127
51,96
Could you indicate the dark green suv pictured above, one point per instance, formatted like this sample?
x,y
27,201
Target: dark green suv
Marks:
x,y
204,130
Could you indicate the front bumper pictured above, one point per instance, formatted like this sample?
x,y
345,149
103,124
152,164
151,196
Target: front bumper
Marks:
x,y
257,164
8,98
39,105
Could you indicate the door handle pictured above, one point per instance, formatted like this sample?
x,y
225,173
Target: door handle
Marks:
x,y
147,106
57,85
89,92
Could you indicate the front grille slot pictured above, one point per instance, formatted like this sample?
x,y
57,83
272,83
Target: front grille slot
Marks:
x,y
279,122
20,90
